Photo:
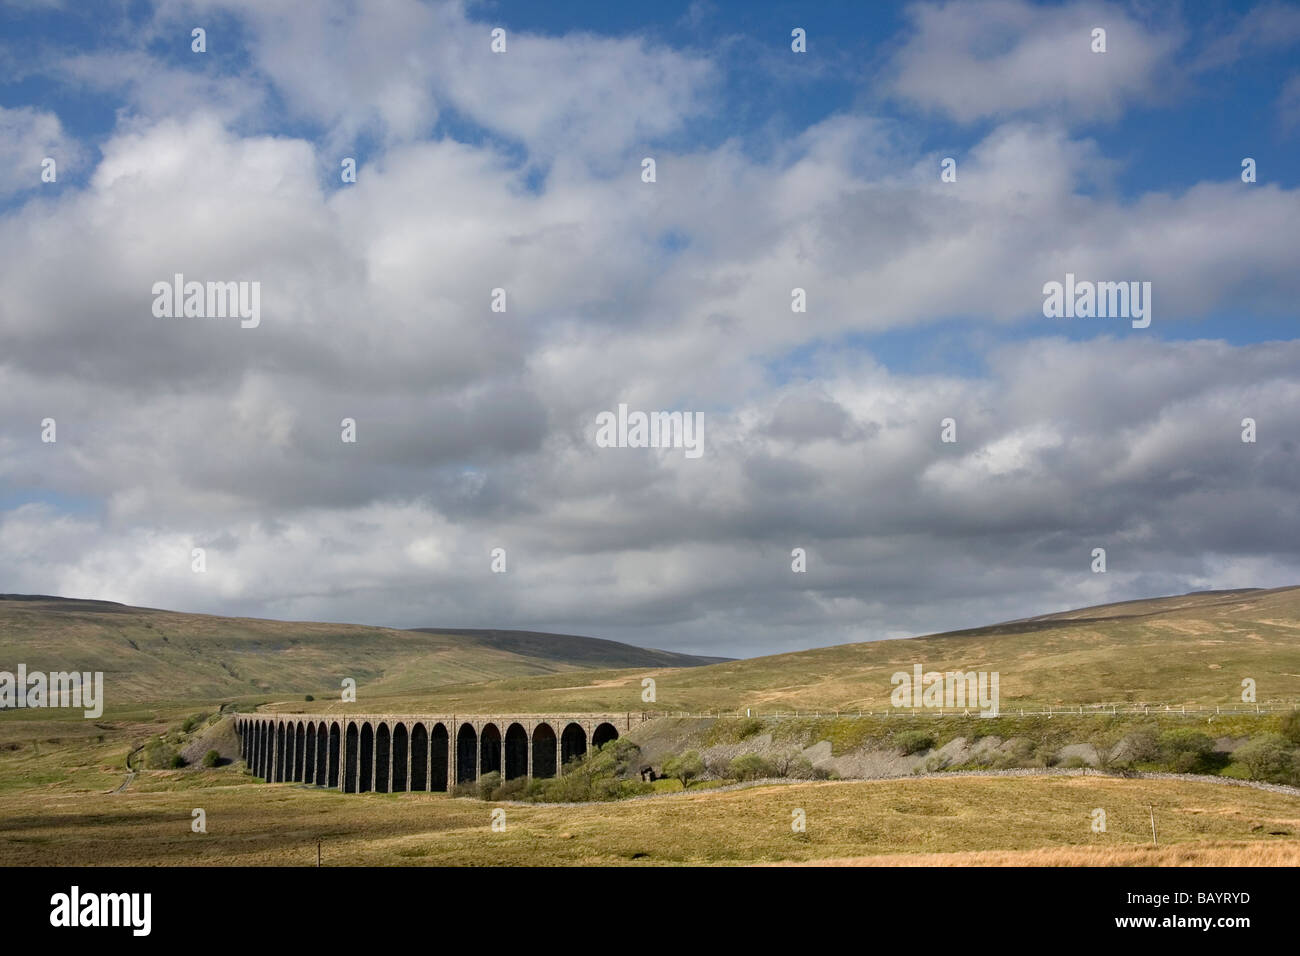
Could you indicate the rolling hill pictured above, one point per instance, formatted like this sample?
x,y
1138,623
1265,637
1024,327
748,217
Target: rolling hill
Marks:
x,y
149,654
1193,649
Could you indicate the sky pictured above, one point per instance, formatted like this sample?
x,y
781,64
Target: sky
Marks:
x,y
523,170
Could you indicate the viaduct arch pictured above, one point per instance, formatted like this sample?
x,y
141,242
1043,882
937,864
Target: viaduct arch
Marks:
x,y
389,753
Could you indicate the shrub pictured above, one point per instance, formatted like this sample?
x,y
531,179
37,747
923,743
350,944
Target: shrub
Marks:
x,y
1019,754
309,697
487,785
511,790
782,761
211,758
1187,762
686,767
717,765
1183,740
602,775
608,773
1140,746
619,757
748,727
1267,758
1291,727
158,755
913,741
751,767
801,768
1187,751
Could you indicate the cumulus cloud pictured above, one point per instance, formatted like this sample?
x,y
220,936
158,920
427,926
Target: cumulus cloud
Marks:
x,y
1125,444
390,71
475,428
998,58
27,138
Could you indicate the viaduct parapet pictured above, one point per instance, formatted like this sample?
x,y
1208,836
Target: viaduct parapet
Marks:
x,y
390,753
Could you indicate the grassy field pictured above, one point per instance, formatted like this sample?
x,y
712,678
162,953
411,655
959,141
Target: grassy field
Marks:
x,y
60,774
59,805
1193,650
1035,820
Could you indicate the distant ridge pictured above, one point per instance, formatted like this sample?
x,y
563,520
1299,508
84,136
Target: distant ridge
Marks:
x,y
153,654
593,651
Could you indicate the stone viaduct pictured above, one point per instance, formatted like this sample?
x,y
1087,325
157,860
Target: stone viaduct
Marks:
x,y
392,753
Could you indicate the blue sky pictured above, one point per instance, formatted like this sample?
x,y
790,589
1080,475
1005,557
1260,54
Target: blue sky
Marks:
x,y
776,170
1197,130
1197,134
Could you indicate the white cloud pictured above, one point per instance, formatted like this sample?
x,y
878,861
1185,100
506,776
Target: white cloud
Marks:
x,y
391,70
27,137
998,58
474,428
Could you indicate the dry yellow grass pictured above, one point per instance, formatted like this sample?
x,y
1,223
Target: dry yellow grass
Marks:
x,y
938,821
1285,853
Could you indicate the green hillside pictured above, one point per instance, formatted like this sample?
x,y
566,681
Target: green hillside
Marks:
x,y
1189,650
148,654
1193,649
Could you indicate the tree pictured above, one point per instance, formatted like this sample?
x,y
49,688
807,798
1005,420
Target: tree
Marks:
x,y
783,761
751,767
1188,751
1291,727
685,768
1266,758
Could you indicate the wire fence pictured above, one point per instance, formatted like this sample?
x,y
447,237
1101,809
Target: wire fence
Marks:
x,y
1112,710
